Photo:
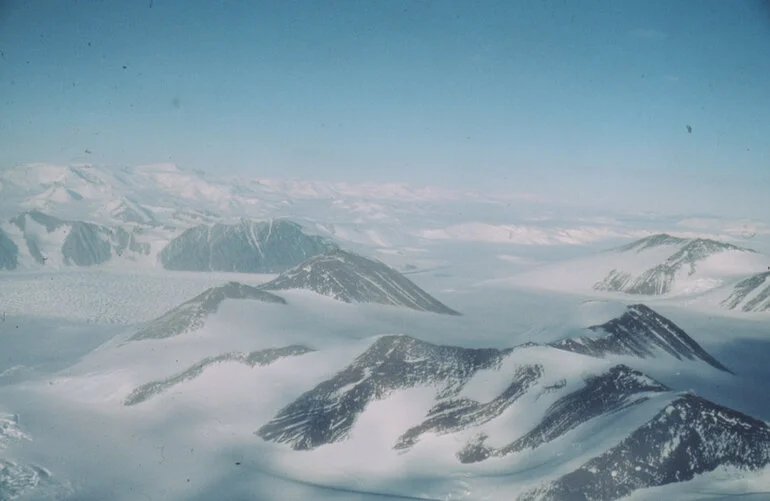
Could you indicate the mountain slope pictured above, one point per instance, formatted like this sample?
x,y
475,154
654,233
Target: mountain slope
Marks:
x,y
191,315
351,278
246,247
639,332
658,265
688,256
9,252
254,358
327,413
603,394
519,406
48,240
750,294
688,437
452,415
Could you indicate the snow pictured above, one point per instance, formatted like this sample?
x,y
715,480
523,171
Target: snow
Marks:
x,y
66,367
524,235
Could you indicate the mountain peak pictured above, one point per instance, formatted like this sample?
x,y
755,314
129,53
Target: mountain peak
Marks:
x,y
701,246
686,258
652,241
191,315
351,278
639,332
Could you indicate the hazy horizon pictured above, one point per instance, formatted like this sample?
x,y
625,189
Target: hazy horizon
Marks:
x,y
570,102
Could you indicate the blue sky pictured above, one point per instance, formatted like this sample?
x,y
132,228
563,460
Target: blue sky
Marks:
x,y
578,101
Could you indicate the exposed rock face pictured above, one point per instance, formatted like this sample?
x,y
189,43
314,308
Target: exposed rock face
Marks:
x,y
352,278
246,247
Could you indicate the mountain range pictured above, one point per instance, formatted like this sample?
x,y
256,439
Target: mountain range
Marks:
x,y
663,266
681,434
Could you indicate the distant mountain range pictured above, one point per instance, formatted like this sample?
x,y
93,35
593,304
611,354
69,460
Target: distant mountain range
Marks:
x,y
683,258
38,239
665,266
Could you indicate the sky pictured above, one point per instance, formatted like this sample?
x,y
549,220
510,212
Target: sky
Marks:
x,y
642,104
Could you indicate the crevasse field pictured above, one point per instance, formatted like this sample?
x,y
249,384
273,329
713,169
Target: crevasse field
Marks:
x,y
133,365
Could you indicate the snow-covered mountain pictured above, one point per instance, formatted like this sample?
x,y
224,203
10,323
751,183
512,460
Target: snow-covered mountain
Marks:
x,y
251,359
750,294
539,400
639,332
302,391
688,437
192,314
327,413
660,266
246,247
34,239
352,278
265,387
692,260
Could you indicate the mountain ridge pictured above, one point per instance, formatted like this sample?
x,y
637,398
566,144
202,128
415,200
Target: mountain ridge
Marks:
x,y
351,278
